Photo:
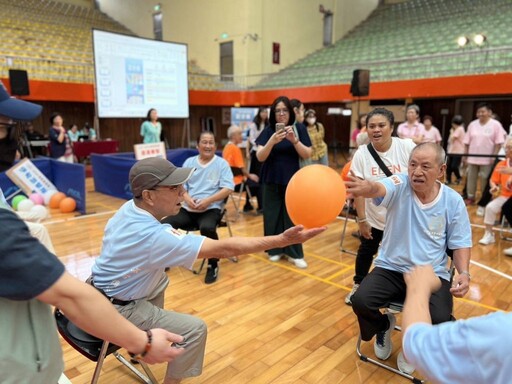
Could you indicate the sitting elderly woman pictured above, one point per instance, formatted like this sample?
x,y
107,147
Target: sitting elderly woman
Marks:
x,y
501,182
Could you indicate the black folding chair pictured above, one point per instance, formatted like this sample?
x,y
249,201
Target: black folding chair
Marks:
x,y
96,349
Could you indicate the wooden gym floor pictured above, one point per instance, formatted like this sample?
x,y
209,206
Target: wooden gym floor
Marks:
x,y
271,322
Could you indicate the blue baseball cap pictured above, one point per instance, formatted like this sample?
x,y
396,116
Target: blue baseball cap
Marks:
x,y
17,109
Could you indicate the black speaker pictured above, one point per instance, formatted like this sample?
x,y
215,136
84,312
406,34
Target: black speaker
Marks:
x,y
360,82
18,79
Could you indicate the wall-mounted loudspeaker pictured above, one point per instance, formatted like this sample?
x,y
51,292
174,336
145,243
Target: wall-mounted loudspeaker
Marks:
x,y
18,79
360,83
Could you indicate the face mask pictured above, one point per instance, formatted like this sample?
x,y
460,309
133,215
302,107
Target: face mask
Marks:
x,y
311,120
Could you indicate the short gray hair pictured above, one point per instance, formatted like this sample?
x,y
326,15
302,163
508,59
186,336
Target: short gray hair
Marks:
x,y
233,129
440,153
415,107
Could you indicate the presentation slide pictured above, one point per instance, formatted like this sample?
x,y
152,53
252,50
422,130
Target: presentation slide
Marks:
x,y
134,74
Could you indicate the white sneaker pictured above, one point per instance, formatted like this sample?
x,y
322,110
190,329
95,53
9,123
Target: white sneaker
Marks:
x,y
348,298
487,239
383,345
480,211
299,263
508,251
403,365
275,258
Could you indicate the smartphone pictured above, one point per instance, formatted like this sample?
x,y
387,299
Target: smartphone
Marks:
x,y
279,127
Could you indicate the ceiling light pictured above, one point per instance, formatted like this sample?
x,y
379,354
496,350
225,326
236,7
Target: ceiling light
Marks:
x,y
479,39
462,41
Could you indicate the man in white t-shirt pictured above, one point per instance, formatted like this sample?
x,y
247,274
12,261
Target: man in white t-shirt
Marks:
x,y
137,248
484,136
424,219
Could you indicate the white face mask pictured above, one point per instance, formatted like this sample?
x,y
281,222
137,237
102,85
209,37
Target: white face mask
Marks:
x,y
311,120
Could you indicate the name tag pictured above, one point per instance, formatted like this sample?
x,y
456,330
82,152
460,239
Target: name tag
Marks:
x,y
176,233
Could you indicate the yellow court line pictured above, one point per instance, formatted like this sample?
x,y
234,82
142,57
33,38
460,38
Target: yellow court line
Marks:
x,y
327,259
326,281
300,272
340,272
479,304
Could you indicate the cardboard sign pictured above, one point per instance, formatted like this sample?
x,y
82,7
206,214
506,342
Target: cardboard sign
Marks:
x,y
143,151
29,178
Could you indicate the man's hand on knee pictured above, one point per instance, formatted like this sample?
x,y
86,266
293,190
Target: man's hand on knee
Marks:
x,y
162,349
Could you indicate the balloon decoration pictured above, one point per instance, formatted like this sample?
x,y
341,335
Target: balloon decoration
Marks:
x,y
67,205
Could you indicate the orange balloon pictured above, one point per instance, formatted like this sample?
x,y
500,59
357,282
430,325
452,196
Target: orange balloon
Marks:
x,y
345,171
315,196
67,205
56,199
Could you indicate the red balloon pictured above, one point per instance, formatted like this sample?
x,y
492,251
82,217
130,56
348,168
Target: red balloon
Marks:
x,y
315,196
67,205
345,171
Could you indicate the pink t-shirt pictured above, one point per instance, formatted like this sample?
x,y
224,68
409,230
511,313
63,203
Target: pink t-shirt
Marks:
x,y
455,141
406,132
482,140
431,136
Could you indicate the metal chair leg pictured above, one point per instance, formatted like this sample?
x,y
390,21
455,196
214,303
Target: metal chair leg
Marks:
x,y
367,359
200,268
135,371
345,230
99,364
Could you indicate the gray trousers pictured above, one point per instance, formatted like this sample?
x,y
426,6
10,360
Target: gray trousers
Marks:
x,y
475,172
149,313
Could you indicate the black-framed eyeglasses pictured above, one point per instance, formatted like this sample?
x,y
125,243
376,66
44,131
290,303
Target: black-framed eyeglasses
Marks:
x,y
168,188
282,111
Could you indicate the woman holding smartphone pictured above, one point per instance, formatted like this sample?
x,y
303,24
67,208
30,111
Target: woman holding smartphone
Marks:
x,y
279,149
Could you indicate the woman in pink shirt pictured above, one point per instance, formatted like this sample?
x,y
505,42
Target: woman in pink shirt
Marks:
x,y
431,134
455,146
412,128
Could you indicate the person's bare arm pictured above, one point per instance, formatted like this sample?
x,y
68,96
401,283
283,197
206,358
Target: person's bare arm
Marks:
x,y
365,228
264,151
303,151
93,313
364,188
421,282
460,285
236,246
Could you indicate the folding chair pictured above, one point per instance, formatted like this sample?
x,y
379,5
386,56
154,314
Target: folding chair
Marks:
x,y
397,307
505,230
346,218
96,349
243,187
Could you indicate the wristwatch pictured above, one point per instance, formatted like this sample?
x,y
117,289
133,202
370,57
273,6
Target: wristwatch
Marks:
x,y
466,273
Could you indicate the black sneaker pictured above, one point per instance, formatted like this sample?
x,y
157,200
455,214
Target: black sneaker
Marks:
x,y
211,274
248,208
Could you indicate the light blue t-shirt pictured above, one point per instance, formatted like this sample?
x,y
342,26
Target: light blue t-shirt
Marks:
x,y
417,233
136,250
208,179
472,351
150,132
73,136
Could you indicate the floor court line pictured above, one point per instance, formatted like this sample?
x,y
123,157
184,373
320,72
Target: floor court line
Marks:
x,y
491,269
467,301
86,216
341,272
328,260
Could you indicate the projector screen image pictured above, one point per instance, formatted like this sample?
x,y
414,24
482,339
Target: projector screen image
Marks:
x,y
134,74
